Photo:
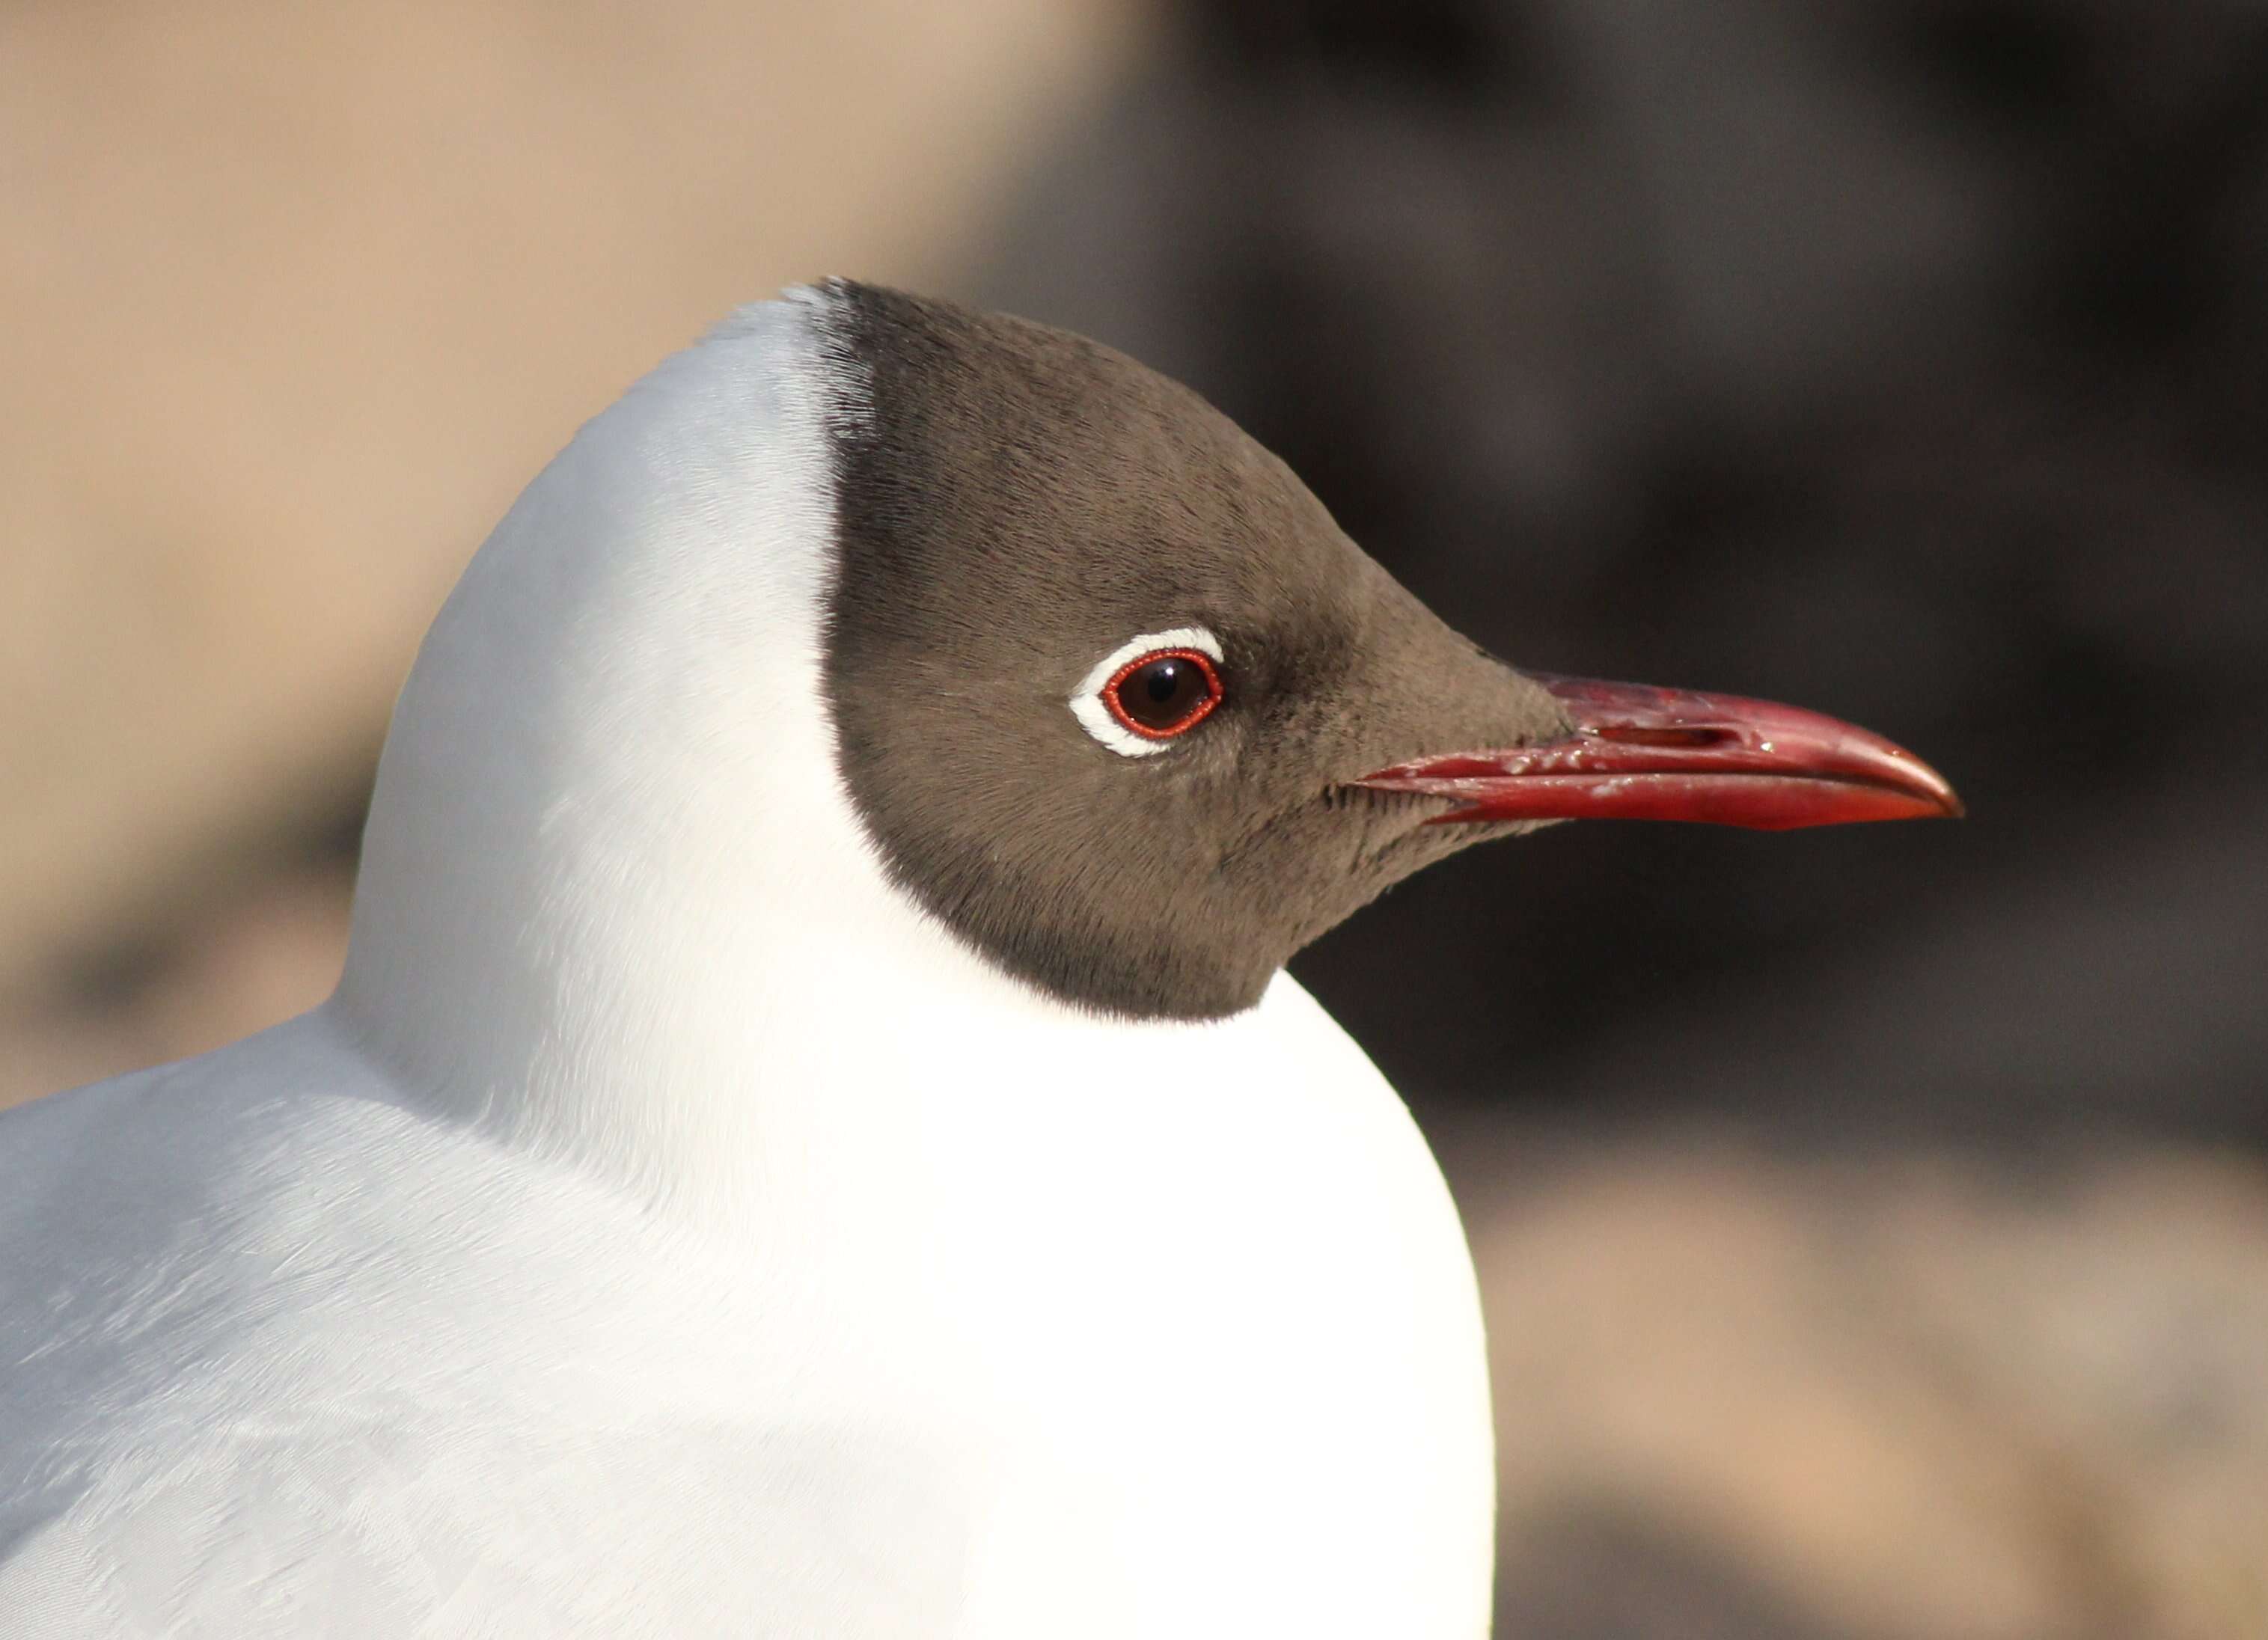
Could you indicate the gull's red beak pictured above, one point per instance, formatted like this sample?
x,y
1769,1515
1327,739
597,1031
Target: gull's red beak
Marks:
x,y
1640,753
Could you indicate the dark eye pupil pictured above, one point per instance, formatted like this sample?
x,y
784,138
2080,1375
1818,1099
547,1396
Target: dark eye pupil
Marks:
x,y
1165,695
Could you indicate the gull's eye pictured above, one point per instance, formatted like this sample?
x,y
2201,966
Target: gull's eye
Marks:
x,y
1151,690
1164,695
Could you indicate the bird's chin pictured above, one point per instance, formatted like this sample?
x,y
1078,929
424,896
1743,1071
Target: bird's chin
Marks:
x,y
1428,840
1387,837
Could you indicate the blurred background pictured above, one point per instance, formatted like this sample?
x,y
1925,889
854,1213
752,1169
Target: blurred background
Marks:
x,y
1873,1221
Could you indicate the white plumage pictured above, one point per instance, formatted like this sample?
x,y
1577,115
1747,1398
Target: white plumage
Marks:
x,y
668,1230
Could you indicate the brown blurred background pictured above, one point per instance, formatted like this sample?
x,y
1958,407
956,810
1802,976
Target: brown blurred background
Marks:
x,y
1874,1222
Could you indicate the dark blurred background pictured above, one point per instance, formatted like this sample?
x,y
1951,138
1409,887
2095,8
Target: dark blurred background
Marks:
x,y
1907,359
1873,1221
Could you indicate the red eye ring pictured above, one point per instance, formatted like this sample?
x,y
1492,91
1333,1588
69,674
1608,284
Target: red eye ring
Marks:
x,y
1196,714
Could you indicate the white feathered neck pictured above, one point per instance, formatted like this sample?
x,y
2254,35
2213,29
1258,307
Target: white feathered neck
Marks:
x,y
614,902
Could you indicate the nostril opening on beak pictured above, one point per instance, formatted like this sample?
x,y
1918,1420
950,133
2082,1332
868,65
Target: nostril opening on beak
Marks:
x,y
1632,734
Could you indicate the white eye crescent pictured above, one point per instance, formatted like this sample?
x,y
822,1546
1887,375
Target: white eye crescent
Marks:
x,y
1151,690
